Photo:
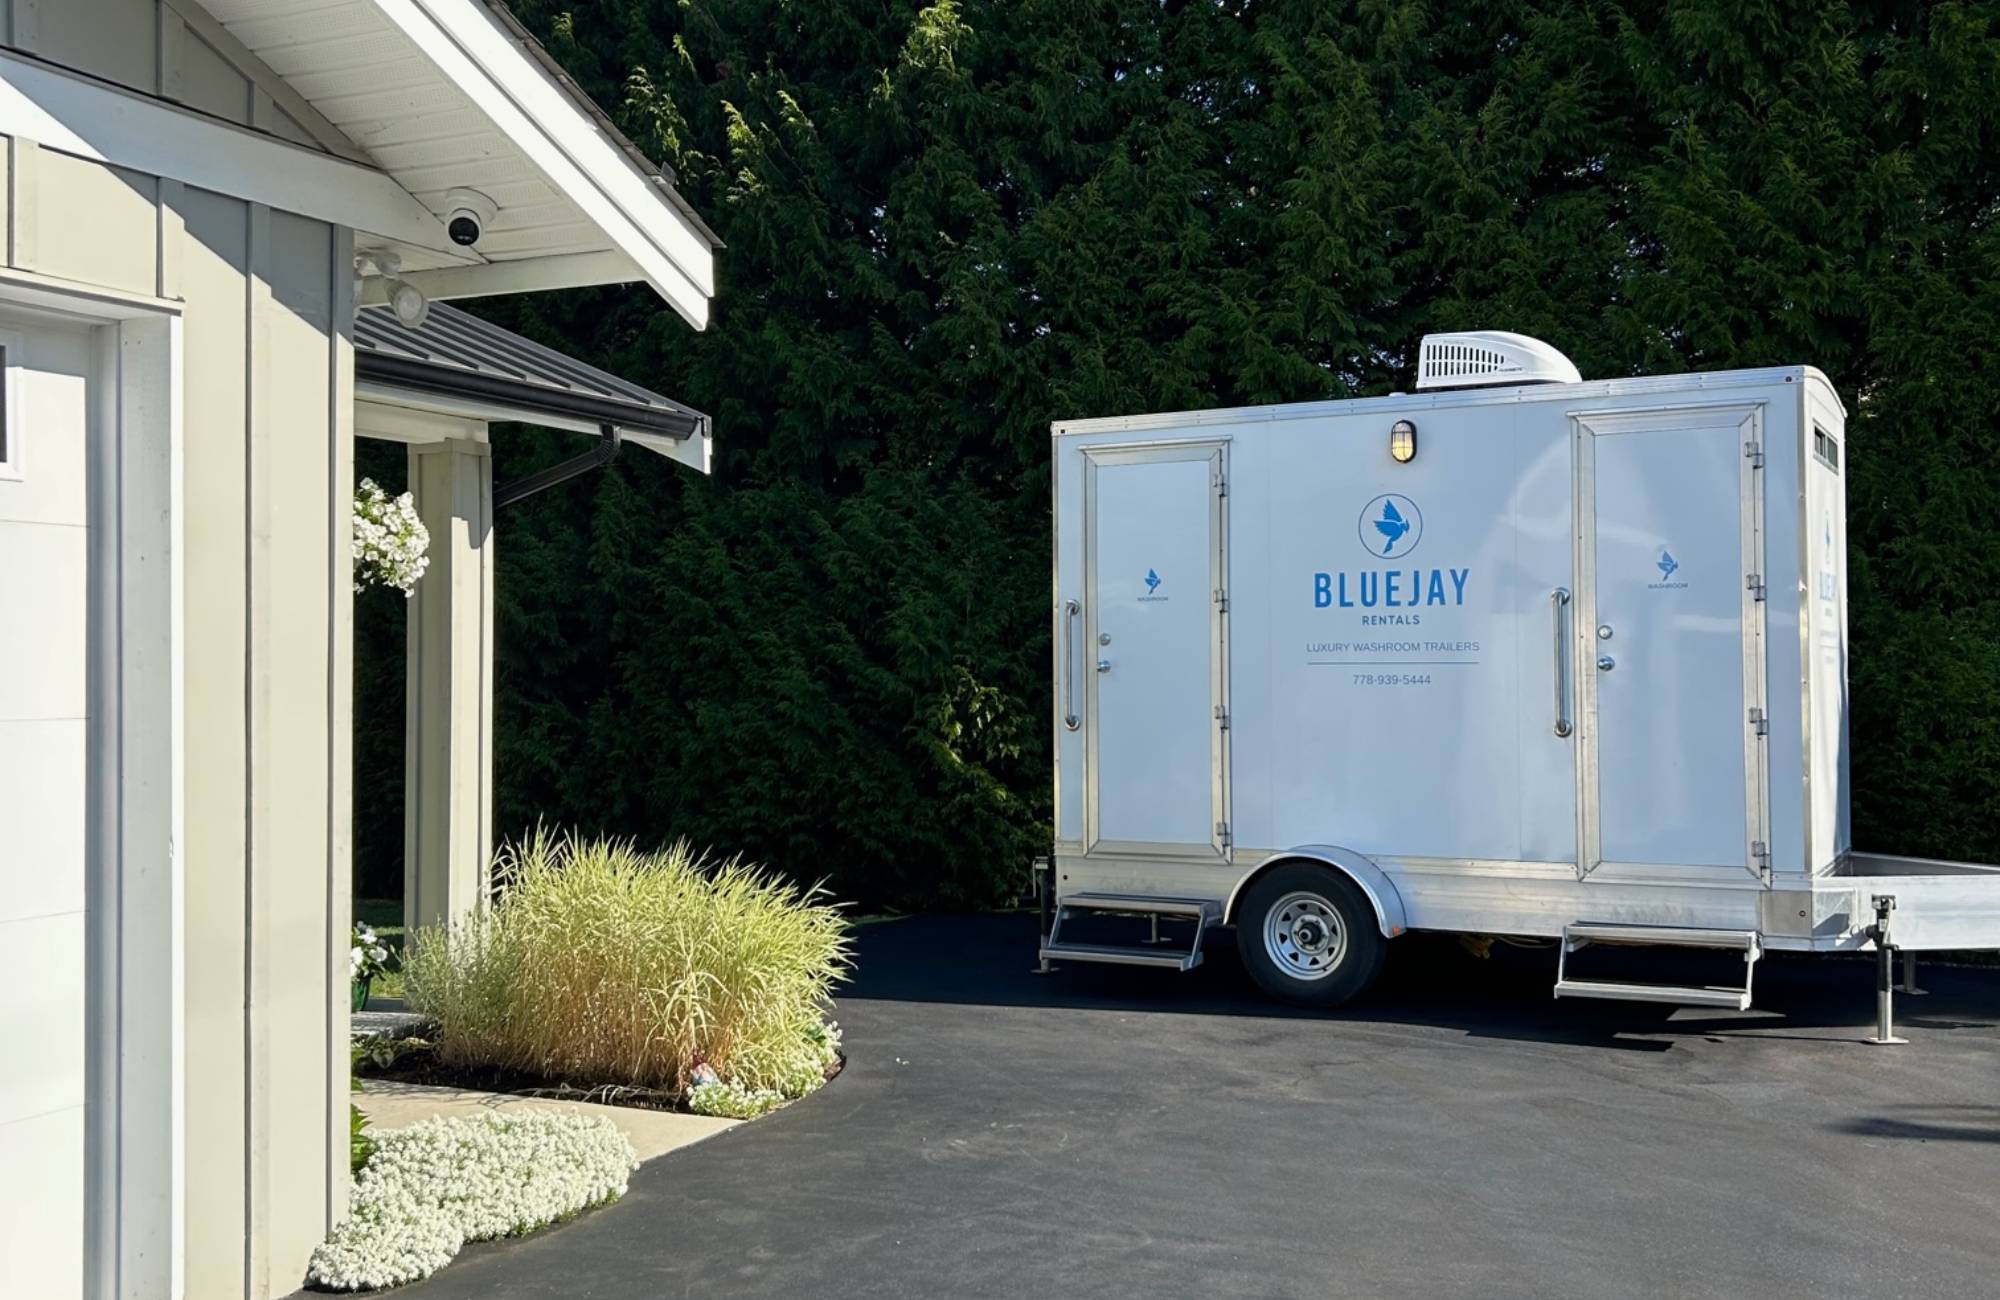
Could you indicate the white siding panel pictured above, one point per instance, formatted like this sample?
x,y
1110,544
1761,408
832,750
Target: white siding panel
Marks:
x,y
207,81
117,40
214,263
278,122
94,224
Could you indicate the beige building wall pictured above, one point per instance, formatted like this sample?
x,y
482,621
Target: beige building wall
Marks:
x,y
267,411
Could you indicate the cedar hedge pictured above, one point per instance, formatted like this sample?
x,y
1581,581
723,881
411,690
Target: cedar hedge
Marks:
x,y
950,224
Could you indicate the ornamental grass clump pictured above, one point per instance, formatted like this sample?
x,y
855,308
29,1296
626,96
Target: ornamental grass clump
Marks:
x,y
603,966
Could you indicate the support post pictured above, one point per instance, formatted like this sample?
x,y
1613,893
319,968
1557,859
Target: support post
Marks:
x,y
1045,887
1910,988
1885,956
448,758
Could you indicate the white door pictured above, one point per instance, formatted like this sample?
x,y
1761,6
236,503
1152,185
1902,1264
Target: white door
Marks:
x,y
44,531
1670,635
1155,759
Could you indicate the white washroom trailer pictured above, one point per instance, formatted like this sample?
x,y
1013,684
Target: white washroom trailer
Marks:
x,y
1514,654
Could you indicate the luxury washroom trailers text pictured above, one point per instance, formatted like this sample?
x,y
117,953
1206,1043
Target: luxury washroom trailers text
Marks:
x,y
1512,654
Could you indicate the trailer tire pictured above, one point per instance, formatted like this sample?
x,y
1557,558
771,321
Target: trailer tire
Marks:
x,y
1307,934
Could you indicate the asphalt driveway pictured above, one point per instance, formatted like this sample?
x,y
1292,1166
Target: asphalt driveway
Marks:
x,y
1114,1132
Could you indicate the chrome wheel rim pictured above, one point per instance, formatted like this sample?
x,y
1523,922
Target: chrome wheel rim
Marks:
x,y
1304,936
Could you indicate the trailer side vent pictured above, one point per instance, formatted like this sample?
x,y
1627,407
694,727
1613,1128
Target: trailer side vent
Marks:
x,y
1489,358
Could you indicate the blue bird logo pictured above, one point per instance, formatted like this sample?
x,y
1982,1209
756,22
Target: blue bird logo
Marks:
x,y
1668,564
1152,582
1391,525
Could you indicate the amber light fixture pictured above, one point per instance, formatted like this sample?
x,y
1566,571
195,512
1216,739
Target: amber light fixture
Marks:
x,y
1402,442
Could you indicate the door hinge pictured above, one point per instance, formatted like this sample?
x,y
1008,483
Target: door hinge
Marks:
x,y
1221,718
1221,482
1222,834
1755,451
1760,722
1760,853
1221,601
1754,584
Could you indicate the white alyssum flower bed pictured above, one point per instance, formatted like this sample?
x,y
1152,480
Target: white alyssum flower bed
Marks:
x,y
804,1072
436,1185
391,544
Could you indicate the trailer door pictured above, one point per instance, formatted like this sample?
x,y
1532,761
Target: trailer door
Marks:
x,y
1670,644
1155,606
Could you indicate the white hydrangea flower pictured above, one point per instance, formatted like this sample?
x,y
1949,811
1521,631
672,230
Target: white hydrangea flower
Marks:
x,y
367,956
434,1186
391,544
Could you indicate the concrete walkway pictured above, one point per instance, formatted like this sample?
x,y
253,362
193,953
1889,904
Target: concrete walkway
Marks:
x,y
1111,1133
391,1104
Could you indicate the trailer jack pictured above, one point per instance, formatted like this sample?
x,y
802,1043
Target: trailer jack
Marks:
x,y
1910,975
1885,960
1044,871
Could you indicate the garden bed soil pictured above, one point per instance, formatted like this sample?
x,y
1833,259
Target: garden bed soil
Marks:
x,y
418,1063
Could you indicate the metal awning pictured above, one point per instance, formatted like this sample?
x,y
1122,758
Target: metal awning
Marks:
x,y
461,364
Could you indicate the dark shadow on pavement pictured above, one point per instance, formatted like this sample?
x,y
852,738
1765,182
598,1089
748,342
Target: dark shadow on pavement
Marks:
x,y
1944,1124
1430,980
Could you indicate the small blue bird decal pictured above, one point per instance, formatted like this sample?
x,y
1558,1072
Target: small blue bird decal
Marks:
x,y
1668,564
1152,582
1391,525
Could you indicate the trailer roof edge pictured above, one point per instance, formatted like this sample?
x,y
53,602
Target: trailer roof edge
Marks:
x,y
1589,390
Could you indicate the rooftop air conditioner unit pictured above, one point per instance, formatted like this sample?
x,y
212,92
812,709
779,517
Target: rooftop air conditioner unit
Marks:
x,y
1483,358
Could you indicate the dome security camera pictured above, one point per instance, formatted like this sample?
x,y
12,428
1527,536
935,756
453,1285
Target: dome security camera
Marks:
x,y
471,212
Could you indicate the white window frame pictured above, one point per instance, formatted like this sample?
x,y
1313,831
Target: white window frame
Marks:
x,y
13,463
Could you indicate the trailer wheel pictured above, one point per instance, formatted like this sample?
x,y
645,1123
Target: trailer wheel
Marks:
x,y
1308,935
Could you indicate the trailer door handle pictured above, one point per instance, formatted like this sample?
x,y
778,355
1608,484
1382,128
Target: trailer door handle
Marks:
x,y
1559,605
1070,610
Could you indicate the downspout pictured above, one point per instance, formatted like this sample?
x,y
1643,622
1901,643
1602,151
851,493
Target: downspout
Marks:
x,y
606,451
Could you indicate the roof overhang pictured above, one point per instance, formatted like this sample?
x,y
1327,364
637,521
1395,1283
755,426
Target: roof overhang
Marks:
x,y
458,365
447,95
486,53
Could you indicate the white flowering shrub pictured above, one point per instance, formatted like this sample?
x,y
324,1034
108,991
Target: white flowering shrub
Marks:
x,y
367,956
391,544
434,1186
731,1100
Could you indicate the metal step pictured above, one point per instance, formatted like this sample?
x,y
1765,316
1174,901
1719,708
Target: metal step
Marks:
x,y
1581,934
1176,960
1202,911
1143,903
1676,995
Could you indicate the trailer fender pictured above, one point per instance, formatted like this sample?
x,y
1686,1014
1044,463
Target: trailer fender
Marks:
x,y
1358,867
